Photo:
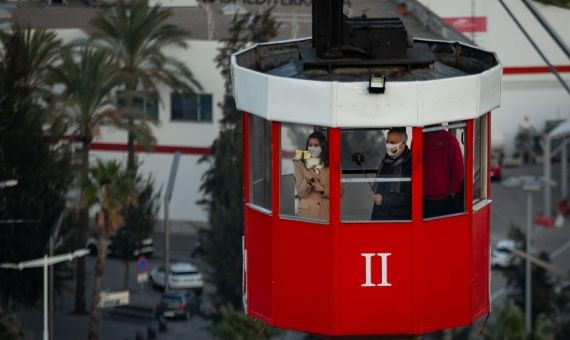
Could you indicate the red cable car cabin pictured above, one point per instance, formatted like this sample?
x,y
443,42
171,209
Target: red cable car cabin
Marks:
x,y
346,274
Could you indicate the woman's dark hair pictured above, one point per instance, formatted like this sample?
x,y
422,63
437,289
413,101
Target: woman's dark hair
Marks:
x,y
324,146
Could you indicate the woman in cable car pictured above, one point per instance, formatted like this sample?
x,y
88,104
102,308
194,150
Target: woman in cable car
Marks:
x,y
312,178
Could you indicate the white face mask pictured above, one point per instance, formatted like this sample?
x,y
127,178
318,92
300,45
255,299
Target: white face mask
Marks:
x,y
389,148
315,151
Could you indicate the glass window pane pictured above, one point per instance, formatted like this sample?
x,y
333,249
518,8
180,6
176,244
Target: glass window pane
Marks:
x,y
443,160
260,157
184,106
368,143
205,107
304,172
145,107
191,107
479,158
376,183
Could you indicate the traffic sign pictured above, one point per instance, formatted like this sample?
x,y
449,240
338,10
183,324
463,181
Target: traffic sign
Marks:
x,y
142,264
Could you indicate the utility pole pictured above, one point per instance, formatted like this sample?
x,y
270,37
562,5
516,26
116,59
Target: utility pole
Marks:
x,y
167,198
530,186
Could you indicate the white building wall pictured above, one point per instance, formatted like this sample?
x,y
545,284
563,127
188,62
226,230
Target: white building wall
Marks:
x,y
538,96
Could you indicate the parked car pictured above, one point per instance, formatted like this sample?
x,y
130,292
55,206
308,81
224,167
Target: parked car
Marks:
x,y
178,304
496,171
501,255
146,249
182,275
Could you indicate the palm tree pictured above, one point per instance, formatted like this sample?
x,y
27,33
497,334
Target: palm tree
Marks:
x,y
112,190
88,80
137,34
38,49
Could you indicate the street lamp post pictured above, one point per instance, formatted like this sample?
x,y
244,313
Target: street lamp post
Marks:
x,y
8,183
45,262
530,186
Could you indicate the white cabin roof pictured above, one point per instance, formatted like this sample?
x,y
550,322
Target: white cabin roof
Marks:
x,y
349,104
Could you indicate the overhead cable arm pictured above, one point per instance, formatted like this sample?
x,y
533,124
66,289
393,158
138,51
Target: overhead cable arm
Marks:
x,y
547,27
550,67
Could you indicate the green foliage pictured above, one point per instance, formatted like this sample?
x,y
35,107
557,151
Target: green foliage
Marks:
x,y
542,281
112,190
222,182
545,328
560,3
235,325
10,327
562,314
550,311
31,151
137,35
88,80
38,50
139,219
509,325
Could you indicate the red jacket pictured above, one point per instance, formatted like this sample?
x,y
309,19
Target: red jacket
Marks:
x,y
443,171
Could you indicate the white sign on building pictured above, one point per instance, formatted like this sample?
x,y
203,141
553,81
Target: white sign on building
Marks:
x,y
113,299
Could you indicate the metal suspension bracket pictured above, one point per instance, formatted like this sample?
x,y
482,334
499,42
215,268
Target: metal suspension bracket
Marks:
x,y
339,41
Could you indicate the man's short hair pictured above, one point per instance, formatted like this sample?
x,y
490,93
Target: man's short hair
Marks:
x,y
401,131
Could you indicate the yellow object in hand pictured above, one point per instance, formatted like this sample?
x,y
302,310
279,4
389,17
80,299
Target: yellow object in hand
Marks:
x,y
302,155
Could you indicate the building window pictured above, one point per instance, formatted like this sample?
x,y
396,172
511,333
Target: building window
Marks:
x,y
191,107
480,159
260,162
443,161
305,184
376,174
144,106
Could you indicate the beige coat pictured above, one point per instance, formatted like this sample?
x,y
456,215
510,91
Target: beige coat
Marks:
x,y
312,204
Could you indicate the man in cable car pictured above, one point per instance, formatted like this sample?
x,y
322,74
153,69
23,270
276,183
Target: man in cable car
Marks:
x,y
392,199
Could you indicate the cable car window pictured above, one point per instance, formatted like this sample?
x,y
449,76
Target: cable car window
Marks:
x,y
443,163
480,159
304,172
376,174
260,161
